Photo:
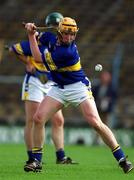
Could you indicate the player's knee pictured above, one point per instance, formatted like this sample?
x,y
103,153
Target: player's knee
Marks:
x,y
95,122
98,126
57,121
37,118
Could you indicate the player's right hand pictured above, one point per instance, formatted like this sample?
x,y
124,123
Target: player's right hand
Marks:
x,y
30,68
31,28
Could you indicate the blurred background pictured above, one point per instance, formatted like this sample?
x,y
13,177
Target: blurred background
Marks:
x,y
106,36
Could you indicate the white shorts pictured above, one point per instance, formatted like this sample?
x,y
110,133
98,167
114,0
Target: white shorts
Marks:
x,y
73,94
34,90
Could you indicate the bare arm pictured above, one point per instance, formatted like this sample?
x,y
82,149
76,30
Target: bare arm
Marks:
x,y
33,42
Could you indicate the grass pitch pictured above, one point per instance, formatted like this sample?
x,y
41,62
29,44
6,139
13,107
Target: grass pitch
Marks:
x,y
95,163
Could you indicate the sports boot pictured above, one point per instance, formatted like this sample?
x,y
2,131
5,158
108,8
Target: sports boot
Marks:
x,y
66,160
126,165
33,165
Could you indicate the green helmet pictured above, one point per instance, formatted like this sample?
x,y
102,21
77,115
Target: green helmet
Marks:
x,y
53,19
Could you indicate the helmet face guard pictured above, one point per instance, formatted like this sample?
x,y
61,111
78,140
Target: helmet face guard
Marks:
x,y
67,25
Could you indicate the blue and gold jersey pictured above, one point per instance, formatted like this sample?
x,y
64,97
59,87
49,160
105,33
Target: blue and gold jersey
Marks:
x,y
23,48
62,60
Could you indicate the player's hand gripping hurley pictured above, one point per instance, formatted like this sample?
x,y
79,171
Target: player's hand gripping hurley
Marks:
x,y
40,28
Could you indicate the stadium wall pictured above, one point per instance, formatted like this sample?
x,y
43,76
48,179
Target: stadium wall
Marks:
x,y
81,136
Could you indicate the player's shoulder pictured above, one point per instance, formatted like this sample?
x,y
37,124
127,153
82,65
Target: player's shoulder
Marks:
x,y
47,34
46,38
22,48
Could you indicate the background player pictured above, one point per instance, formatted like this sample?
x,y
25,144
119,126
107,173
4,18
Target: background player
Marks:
x,y
35,86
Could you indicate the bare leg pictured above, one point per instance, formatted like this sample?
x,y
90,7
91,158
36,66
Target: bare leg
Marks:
x,y
30,109
105,121
57,130
33,142
90,112
40,138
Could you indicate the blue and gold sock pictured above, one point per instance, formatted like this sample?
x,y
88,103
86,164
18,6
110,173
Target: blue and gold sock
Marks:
x,y
60,154
30,155
37,153
118,153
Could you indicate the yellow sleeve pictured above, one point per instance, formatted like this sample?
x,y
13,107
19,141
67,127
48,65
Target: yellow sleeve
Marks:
x,y
39,66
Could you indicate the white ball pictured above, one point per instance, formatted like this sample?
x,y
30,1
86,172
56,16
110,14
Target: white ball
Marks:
x,y
98,67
